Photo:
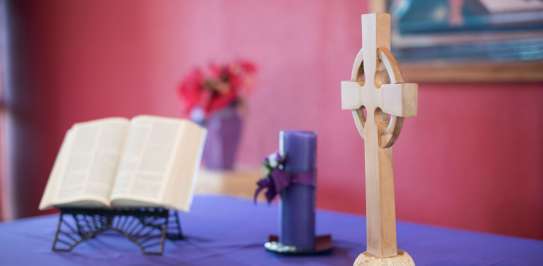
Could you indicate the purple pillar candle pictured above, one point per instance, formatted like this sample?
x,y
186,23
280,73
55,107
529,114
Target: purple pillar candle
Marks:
x,y
297,207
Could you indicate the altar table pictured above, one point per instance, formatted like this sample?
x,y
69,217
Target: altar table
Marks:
x,y
230,231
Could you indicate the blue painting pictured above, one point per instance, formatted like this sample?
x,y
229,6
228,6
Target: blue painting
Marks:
x,y
468,30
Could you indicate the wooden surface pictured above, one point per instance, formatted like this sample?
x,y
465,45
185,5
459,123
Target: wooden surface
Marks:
x,y
474,72
379,100
378,6
403,259
239,183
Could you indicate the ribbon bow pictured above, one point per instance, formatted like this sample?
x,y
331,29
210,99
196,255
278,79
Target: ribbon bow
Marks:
x,y
277,179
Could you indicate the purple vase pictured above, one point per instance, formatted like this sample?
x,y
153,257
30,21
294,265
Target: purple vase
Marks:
x,y
223,136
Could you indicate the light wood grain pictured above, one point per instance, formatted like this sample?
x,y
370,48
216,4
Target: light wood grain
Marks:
x,y
378,99
441,72
403,259
378,6
238,183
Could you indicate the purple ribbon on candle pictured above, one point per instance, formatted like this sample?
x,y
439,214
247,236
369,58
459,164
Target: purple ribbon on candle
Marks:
x,y
277,179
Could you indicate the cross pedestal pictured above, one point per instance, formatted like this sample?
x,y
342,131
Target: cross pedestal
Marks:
x,y
379,100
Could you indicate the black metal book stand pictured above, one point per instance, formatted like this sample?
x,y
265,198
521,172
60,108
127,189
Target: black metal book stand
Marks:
x,y
148,228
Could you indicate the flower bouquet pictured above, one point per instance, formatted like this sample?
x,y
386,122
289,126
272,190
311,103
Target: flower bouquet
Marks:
x,y
214,97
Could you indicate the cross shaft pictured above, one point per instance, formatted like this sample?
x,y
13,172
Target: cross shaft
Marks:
x,y
366,92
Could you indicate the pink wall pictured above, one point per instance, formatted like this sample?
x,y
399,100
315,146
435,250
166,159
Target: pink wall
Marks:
x,y
472,158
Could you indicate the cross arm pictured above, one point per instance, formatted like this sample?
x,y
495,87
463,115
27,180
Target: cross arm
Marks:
x,y
350,95
399,99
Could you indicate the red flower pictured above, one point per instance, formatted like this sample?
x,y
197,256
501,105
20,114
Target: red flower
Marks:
x,y
247,66
218,87
190,90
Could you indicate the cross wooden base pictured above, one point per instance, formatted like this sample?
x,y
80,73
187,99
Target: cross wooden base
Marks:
x,y
402,259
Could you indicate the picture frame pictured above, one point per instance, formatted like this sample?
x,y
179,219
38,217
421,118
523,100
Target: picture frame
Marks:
x,y
467,40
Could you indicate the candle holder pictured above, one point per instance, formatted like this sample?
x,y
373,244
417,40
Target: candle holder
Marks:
x,y
291,174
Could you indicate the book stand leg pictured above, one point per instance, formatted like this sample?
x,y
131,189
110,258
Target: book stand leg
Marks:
x,y
145,227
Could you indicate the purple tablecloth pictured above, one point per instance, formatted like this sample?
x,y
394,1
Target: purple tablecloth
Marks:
x,y
230,231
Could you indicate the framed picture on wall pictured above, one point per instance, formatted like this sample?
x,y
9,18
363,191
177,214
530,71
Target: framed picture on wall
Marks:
x,y
467,40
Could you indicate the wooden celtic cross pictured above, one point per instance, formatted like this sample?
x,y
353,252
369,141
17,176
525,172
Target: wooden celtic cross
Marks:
x,y
379,100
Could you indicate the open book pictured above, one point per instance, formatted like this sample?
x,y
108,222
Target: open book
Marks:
x,y
148,161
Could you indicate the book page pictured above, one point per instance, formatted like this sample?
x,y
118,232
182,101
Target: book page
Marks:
x,y
54,178
86,169
146,158
149,160
186,165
